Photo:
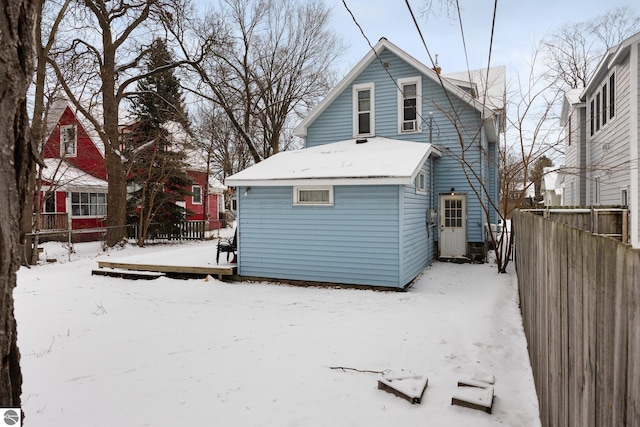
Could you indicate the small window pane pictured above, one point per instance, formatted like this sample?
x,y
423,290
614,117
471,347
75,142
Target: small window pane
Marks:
x,y
410,109
364,95
314,196
364,125
409,91
612,95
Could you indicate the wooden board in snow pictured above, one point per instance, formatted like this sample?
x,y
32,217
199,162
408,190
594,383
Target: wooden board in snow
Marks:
x,y
474,397
410,388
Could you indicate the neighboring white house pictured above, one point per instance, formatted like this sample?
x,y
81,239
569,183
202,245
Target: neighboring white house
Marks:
x,y
549,187
601,126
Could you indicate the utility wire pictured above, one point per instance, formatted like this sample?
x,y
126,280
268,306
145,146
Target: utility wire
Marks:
x,y
493,27
395,82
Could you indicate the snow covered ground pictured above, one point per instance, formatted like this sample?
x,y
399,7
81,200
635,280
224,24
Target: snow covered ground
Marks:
x,y
100,351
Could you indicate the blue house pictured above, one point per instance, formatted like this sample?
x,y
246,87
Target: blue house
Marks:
x,y
399,168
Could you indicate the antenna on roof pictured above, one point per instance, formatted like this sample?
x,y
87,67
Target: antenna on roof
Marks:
x,y
436,67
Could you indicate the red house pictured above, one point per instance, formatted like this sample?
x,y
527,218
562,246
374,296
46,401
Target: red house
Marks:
x,y
73,183
206,202
74,189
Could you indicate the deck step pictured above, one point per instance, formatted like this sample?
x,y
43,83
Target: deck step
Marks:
x,y
127,274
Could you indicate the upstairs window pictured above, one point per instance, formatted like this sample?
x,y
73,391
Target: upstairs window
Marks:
x,y
602,107
592,118
409,104
598,111
605,99
363,110
196,195
612,95
68,141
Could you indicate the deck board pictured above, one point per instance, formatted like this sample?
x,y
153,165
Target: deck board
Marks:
x,y
218,271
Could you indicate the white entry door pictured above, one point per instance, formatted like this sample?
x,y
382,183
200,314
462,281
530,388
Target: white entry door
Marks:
x,y
453,225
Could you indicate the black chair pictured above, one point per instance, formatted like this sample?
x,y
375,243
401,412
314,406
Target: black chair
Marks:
x,y
230,246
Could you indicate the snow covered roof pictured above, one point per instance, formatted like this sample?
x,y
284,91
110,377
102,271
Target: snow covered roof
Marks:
x,y
491,83
65,176
571,98
376,161
549,179
215,186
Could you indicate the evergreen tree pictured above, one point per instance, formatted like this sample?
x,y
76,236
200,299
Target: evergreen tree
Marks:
x,y
537,174
155,147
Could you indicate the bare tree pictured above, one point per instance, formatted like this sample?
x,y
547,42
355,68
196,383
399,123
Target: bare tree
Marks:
x,y
575,49
98,63
262,62
614,26
17,160
218,143
49,15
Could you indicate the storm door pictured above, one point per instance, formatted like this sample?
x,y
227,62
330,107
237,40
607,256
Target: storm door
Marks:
x,y
453,225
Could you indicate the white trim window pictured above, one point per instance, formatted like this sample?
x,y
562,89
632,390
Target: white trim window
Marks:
x,y
364,110
421,182
88,204
409,104
612,95
68,141
602,106
196,194
313,196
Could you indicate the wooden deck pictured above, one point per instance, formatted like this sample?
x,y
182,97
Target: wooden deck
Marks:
x,y
196,259
172,270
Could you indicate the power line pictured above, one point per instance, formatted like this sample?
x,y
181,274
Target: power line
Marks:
x,y
395,82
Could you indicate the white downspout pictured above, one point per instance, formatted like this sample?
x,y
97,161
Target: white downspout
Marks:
x,y
634,199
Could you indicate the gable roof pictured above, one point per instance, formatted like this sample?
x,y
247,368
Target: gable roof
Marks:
x,y
384,44
56,111
613,56
376,161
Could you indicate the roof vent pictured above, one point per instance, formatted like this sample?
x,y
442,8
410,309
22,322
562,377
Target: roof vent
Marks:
x,y
361,140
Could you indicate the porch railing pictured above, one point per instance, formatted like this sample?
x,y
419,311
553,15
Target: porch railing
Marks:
x,y
53,221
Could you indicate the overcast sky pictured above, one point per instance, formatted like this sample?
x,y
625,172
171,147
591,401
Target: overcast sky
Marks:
x,y
520,24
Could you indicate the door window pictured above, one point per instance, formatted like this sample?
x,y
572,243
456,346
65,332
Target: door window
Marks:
x,y
453,213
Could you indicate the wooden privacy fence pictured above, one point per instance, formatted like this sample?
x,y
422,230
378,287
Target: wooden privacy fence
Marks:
x,y
605,221
580,302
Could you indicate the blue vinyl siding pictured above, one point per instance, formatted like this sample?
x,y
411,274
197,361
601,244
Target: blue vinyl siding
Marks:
x,y
417,241
453,119
355,241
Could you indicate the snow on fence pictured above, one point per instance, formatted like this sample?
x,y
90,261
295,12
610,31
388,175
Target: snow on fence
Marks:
x,y
580,302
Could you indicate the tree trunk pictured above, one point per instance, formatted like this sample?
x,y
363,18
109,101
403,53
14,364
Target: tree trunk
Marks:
x,y
16,165
117,199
